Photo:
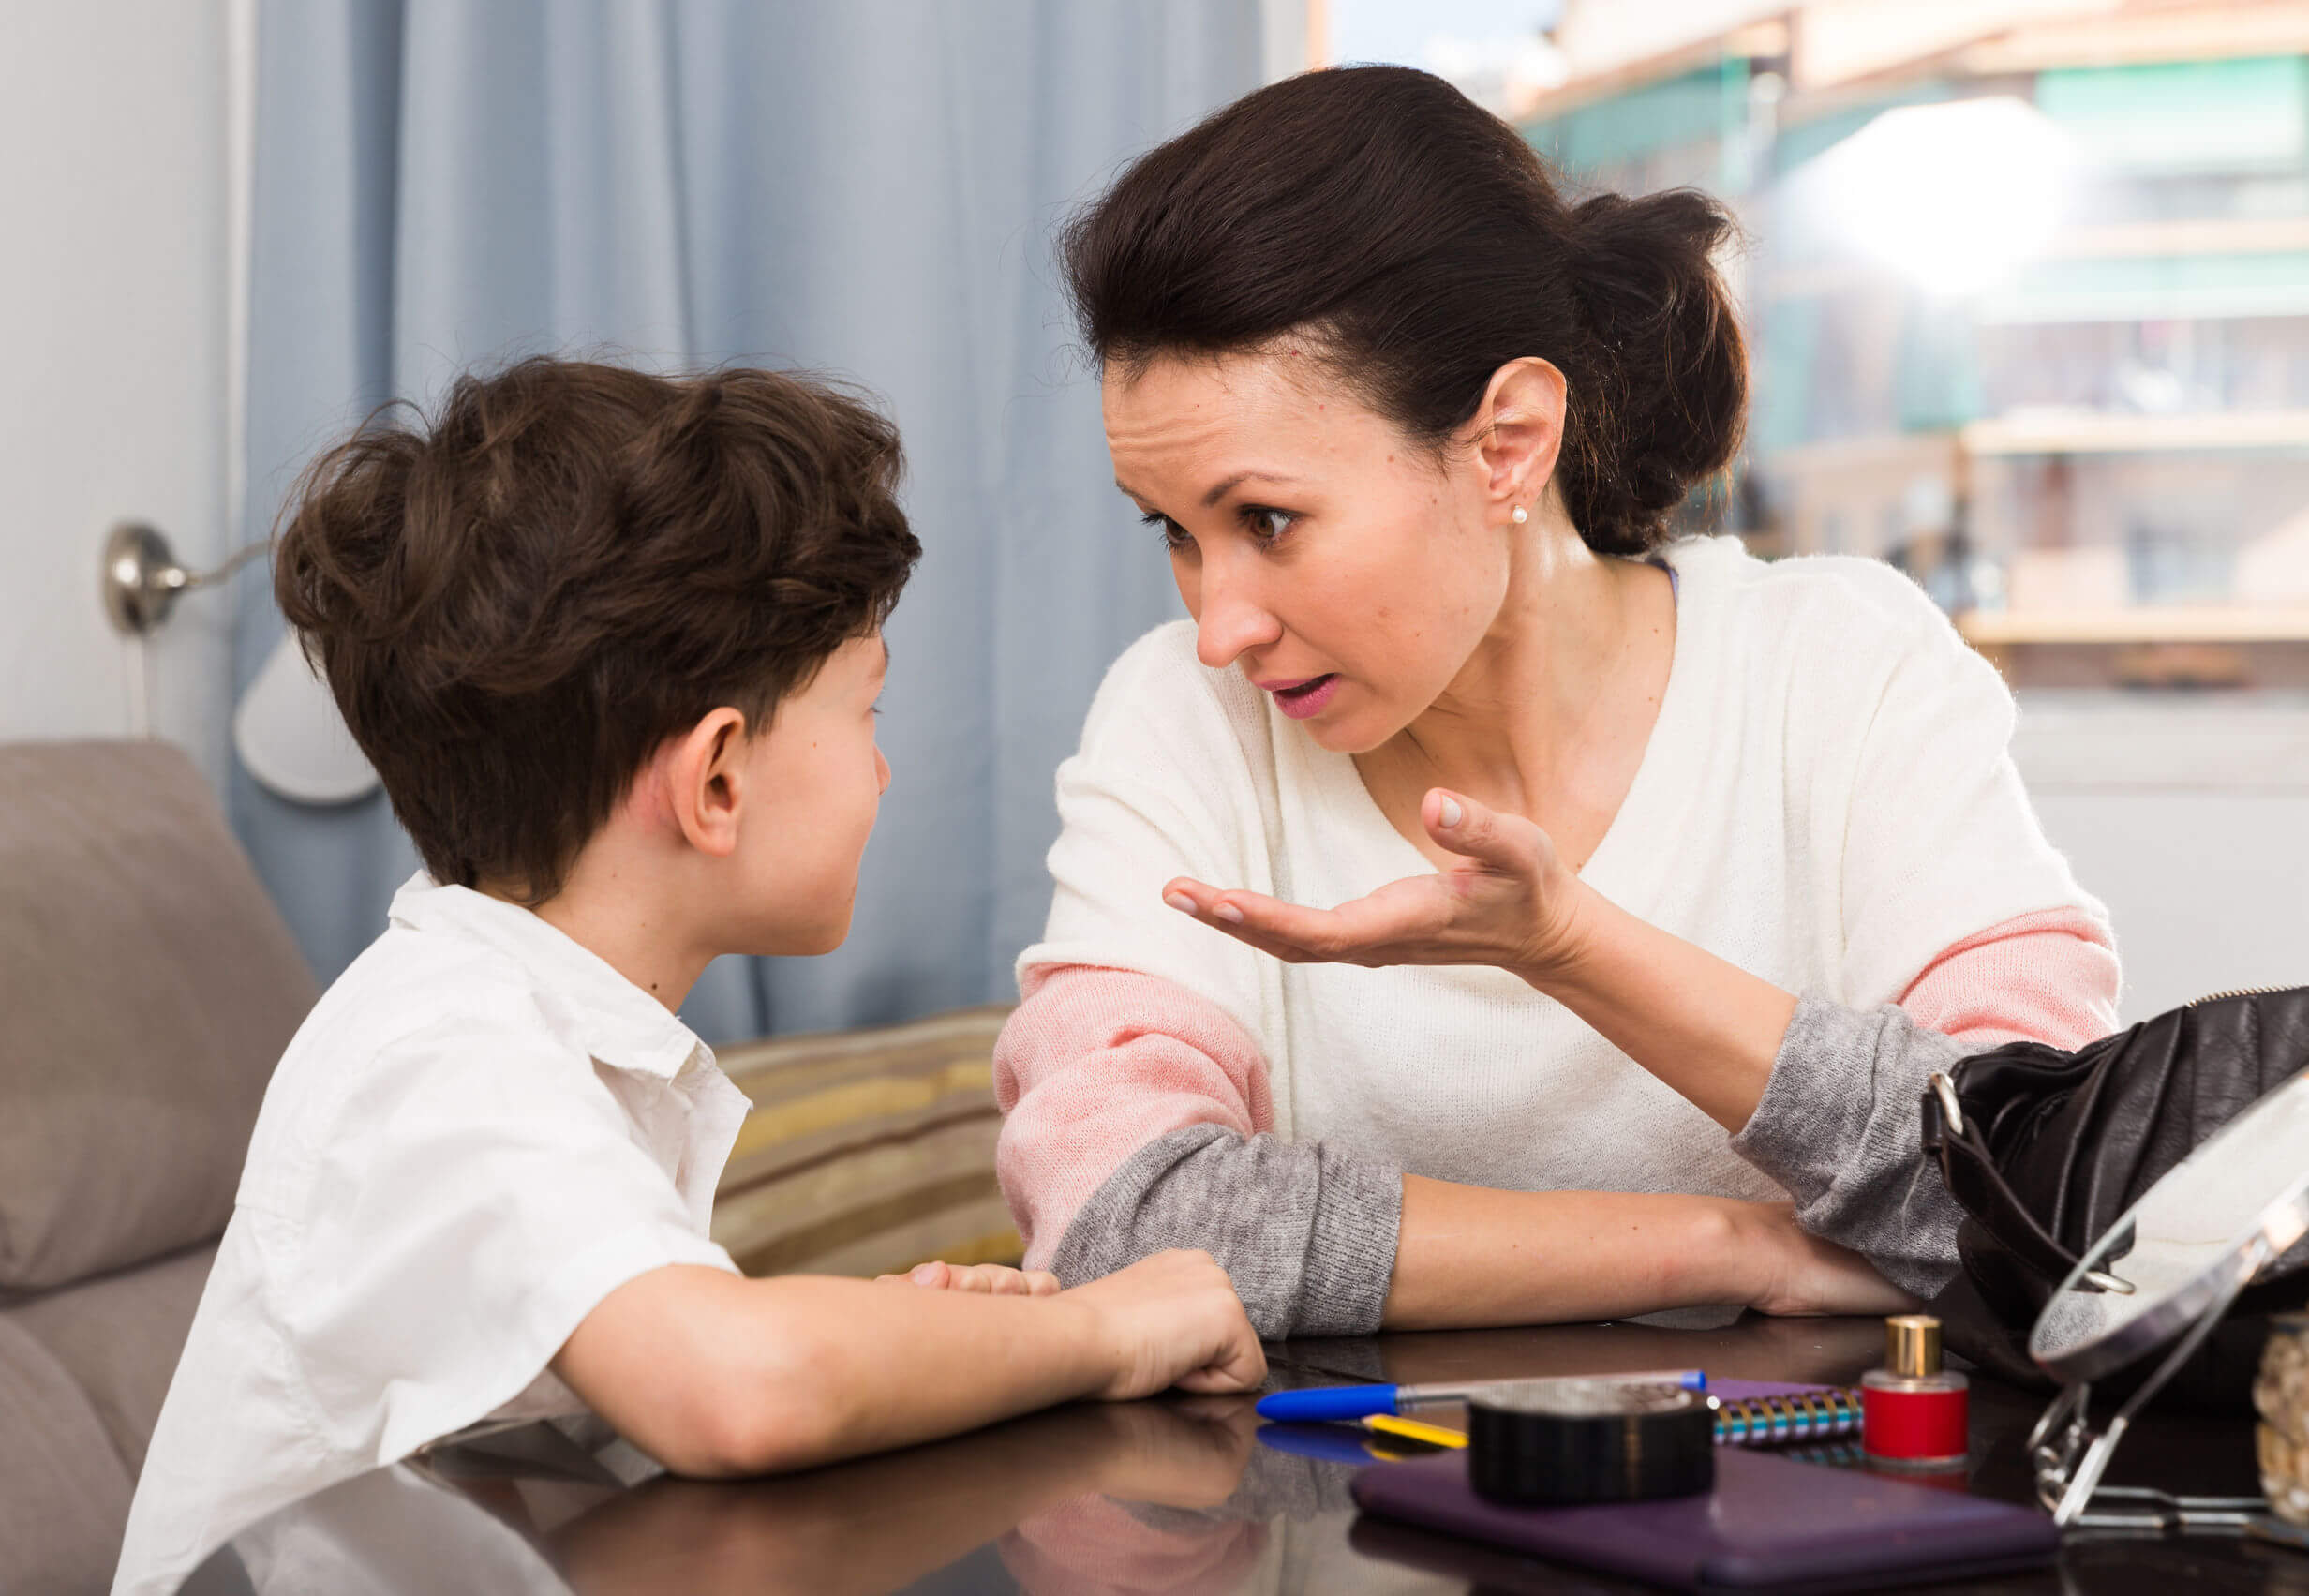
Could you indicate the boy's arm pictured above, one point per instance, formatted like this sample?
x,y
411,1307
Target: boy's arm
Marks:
x,y
714,1374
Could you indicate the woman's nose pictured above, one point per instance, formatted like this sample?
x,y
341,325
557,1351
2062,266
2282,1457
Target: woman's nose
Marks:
x,y
1231,619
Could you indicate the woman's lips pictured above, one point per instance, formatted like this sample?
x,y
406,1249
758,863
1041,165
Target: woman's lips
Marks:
x,y
1305,698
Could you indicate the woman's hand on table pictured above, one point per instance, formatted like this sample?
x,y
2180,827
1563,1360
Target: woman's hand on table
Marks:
x,y
1507,900
1798,1273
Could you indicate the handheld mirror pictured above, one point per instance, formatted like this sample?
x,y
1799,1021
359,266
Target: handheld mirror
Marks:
x,y
2169,1268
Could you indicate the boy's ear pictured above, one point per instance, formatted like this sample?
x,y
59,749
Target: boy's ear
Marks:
x,y
702,775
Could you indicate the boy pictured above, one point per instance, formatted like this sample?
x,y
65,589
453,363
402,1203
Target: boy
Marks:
x,y
613,643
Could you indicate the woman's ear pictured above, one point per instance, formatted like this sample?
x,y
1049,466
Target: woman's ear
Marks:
x,y
1517,432
703,776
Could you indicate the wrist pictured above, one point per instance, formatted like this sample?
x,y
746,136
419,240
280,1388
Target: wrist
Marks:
x,y
1098,1357
1567,949
1737,1265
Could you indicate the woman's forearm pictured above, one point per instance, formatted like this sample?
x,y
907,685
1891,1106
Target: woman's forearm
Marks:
x,y
1702,1024
1470,1256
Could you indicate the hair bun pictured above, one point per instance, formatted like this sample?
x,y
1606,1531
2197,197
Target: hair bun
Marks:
x,y
1667,386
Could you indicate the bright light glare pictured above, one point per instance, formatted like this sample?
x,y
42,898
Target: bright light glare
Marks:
x,y
1954,195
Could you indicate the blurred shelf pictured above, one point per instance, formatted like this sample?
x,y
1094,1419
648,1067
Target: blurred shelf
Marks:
x,y
2205,235
1864,451
2087,434
2143,35
2177,623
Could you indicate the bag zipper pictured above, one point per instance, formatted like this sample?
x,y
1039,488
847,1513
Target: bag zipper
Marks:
x,y
2234,991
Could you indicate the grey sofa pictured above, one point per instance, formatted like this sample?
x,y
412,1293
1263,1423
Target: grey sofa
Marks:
x,y
148,986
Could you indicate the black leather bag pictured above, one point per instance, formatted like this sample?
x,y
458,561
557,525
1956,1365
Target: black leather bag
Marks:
x,y
2053,1146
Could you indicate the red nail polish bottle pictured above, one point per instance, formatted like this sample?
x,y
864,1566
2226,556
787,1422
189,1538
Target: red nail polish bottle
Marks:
x,y
1913,1415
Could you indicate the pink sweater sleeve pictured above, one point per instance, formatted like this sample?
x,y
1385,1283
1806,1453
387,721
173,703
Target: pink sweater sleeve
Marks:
x,y
1095,1063
2049,976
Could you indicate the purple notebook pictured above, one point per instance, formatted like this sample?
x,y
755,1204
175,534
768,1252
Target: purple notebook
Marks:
x,y
1768,1522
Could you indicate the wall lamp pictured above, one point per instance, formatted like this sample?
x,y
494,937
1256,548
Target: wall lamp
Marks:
x,y
286,727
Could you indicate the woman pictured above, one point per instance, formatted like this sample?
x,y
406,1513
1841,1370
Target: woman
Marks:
x,y
1592,801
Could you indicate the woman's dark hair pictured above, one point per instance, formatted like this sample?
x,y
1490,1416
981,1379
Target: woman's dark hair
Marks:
x,y
1423,246
518,603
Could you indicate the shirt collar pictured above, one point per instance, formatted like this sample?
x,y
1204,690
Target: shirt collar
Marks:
x,y
587,1001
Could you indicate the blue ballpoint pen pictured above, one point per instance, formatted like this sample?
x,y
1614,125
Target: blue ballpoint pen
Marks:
x,y
1322,1402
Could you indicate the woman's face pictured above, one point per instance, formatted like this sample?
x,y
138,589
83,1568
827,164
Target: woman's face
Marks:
x,y
1339,566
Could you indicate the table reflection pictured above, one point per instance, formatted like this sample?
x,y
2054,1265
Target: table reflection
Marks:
x,y
1167,1495
1164,1497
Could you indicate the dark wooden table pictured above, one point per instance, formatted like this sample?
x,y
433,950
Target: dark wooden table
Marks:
x,y
1172,1496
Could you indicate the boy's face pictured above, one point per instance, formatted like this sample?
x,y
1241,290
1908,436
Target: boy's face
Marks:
x,y
812,785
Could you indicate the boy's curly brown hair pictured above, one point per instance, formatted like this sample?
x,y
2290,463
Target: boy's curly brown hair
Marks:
x,y
518,603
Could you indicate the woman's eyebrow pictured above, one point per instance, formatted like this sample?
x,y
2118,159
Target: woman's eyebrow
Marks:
x,y
1218,491
1230,484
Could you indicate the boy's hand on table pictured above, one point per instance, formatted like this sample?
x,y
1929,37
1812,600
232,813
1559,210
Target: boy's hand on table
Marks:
x,y
1507,900
1173,1320
994,1279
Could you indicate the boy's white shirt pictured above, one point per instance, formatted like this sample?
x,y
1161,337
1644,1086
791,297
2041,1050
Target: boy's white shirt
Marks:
x,y
481,1132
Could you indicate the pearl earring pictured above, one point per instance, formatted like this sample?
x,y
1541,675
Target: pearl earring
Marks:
x,y
1520,515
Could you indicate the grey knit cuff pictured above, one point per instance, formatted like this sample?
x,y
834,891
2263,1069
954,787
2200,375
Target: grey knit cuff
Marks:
x,y
1838,1127
1306,1232
1815,1108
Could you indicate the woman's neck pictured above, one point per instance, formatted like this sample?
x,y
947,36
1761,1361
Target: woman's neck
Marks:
x,y
1550,716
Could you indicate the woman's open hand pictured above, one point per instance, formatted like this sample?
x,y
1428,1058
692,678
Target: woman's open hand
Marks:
x,y
1507,900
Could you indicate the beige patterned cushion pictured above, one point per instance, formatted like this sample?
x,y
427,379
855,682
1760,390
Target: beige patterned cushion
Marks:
x,y
147,987
867,1151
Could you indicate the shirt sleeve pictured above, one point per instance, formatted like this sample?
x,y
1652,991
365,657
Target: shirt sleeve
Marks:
x,y
1162,786
1940,842
2049,978
492,1195
1138,1119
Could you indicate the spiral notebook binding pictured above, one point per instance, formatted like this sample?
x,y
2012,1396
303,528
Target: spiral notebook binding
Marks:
x,y
1773,1421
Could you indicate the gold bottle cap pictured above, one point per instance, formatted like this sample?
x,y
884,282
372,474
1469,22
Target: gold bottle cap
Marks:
x,y
1912,1344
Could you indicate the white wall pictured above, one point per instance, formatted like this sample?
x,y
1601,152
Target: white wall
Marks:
x,y
2189,815
113,204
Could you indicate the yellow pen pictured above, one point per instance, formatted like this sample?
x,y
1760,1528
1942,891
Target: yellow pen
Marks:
x,y
1434,1435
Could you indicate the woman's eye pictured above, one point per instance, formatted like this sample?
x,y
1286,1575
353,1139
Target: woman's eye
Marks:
x,y
1174,536
1267,525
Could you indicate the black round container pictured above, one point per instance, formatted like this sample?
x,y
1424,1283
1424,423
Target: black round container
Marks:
x,y
1570,1441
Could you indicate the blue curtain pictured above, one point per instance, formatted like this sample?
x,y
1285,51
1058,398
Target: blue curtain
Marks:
x,y
869,188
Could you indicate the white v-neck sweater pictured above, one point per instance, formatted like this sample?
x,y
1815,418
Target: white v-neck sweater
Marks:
x,y
1827,799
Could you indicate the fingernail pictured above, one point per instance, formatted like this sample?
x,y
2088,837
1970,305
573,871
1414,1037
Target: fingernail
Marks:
x,y
1228,913
922,1274
1452,813
1181,903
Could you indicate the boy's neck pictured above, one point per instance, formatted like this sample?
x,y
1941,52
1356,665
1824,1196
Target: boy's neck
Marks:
x,y
626,914
646,949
